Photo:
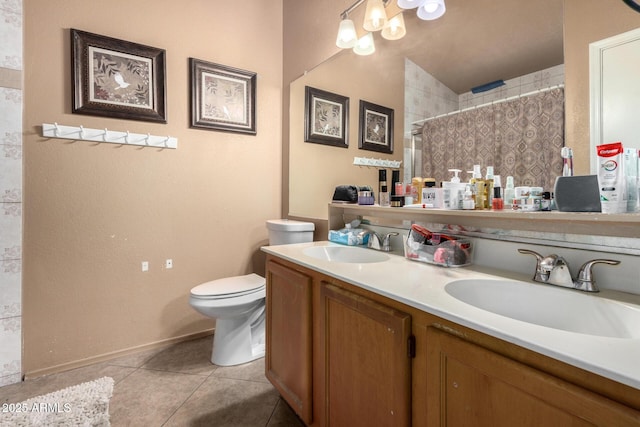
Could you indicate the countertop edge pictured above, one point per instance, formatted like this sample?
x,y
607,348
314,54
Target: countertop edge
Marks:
x,y
623,353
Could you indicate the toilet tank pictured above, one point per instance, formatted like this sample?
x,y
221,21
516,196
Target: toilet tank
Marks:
x,y
286,231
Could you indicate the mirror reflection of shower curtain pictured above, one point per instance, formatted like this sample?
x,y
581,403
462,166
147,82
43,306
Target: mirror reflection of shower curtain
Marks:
x,y
521,137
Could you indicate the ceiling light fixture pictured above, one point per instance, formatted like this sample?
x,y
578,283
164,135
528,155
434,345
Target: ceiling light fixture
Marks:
x,y
365,45
410,4
431,9
347,36
375,19
395,28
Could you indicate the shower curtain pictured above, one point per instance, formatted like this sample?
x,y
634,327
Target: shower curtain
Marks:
x,y
521,137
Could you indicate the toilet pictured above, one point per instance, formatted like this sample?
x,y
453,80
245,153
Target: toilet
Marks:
x,y
238,303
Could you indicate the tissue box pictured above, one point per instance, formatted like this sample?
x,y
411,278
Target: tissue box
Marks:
x,y
438,248
348,236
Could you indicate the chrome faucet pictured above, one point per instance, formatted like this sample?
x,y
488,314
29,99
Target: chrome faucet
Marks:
x,y
554,270
377,242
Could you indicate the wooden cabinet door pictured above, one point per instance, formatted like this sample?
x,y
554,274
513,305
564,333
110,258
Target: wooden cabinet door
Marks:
x,y
288,336
468,385
367,368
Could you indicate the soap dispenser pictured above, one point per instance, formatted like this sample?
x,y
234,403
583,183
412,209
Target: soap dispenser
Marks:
x,y
453,191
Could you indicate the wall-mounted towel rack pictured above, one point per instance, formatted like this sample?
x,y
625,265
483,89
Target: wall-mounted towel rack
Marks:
x,y
81,133
377,163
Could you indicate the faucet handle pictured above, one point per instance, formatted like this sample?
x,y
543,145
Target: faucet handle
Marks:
x,y
541,275
585,279
386,241
530,252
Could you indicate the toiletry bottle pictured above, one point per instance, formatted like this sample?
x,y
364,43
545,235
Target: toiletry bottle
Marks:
x,y
468,203
384,196
416,189
430,197
382,179
395,179
453,191
567,161
488,187
509,193
479,187
497,203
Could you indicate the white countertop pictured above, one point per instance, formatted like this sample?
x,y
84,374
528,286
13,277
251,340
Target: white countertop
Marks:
x,y
422,286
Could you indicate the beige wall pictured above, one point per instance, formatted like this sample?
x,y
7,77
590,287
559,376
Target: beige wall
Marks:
x,y
586,21
318,169
94,212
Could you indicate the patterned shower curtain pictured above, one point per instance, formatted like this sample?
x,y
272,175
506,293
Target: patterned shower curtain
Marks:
x,y
521,137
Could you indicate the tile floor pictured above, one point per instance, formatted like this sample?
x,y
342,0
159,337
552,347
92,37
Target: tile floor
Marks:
x,y
175,386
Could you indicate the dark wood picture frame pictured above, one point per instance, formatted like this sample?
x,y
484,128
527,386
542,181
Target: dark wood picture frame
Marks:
x,y
117,78
634,4
326,118
376,128
223,98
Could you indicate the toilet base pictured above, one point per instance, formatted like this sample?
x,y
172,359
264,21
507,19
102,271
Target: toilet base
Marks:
x,y
239,340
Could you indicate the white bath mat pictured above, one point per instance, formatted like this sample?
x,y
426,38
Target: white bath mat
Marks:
x,y
85,404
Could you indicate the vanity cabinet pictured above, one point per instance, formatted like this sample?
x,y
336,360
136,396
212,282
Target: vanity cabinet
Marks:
x,y
288,336
368,366
342,355
468,385
337,357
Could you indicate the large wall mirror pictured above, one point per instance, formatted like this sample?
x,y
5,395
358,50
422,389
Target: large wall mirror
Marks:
x,y
615,91
474,43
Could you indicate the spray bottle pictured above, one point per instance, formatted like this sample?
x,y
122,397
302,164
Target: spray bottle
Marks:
x,y
509,193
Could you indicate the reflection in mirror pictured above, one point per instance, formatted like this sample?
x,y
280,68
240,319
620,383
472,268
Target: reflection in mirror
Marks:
x,y
429,72
615,91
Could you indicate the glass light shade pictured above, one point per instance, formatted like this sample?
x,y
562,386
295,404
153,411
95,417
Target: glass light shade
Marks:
x,y
375,17
365,45
395,28
347,36
431,9
410,4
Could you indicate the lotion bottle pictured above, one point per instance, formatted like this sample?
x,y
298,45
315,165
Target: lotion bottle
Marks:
x,y
509,193
479,187
488,187
468,203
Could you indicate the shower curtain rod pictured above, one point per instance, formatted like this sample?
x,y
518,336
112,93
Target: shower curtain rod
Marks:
x,y
422,121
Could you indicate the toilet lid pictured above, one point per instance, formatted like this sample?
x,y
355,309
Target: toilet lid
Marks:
x,y
237,285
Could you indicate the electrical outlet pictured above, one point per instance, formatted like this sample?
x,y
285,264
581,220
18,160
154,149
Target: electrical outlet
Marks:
x,y
145,265
168,263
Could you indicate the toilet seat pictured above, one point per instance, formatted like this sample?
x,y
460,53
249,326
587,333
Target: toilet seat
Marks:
x,y
230,287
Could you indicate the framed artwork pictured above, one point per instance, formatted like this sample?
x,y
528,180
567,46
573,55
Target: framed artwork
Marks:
x,y
376,128
222,98
326,117
116,78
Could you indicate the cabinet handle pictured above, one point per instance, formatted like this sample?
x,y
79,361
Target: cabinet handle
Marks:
x,y
411,347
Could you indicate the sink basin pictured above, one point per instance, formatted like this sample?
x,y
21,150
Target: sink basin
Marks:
x,y
346,254
553,307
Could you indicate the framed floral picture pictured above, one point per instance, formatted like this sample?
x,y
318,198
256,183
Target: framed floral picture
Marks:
x,y
117,78
222,98
376,128
326,117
